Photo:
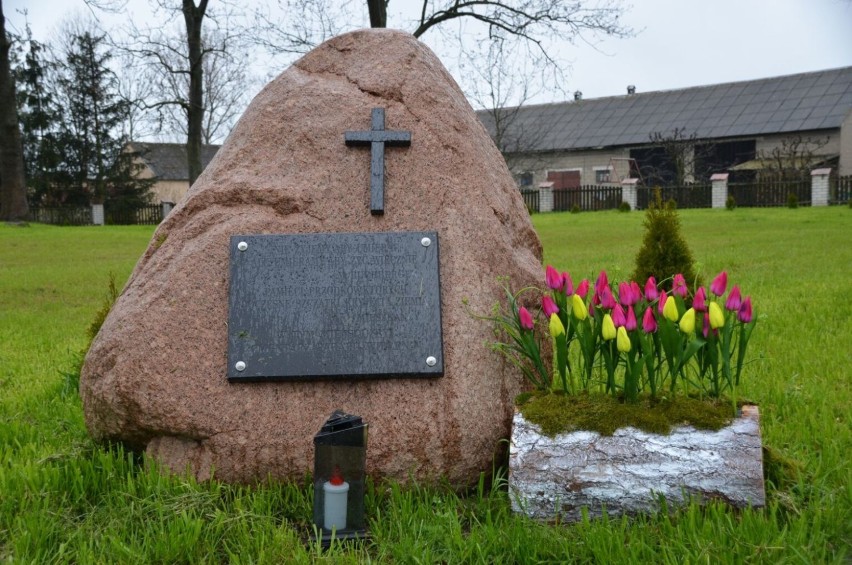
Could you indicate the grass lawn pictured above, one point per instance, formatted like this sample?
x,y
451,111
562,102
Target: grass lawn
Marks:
x,y
65,499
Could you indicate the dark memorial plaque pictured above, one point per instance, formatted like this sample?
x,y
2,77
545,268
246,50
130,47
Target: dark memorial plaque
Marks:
x,y
334,305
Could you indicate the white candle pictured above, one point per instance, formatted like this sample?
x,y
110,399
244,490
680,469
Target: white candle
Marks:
x,y
336,498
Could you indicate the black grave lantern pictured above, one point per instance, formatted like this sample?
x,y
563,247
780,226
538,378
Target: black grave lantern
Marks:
x,y
340,456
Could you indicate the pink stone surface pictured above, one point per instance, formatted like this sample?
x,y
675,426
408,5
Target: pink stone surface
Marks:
x,y
155,375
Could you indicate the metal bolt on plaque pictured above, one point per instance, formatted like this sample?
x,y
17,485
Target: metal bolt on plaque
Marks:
x,y
242,246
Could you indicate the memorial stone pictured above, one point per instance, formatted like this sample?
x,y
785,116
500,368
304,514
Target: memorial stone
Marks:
x,y
294,279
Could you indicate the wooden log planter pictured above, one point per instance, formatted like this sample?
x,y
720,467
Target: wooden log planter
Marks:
x,y
629,471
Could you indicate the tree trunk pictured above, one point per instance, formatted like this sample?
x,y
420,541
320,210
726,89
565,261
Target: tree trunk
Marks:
x,y
13,187
195,112
378,13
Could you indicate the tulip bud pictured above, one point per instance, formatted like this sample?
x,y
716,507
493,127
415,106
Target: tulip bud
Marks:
x,y
637,293
548,306
583,289
554,279
651,293
705,326
719,284
661,304
525,318
649,322
679,286
717,317
624,293
745,315
631,319
700,300
618,317
607,328
556,327
578,307
734,300
602,282
687,323
670,309
567,284
622,341
607,300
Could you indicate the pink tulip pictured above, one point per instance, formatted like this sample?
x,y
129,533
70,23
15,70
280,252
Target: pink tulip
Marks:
x,y
649,322
583,288
554,279
745,315
526,318
631,319
568,284
591,310
734,300
637,292
618,317
700,300
548,306
705,330
624,293
679,286
662,302
719,284
607,299
603,281
651,293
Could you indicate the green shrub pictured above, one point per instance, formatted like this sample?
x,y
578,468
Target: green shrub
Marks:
x,y
624,207
575,209
664,252
730,203
792,200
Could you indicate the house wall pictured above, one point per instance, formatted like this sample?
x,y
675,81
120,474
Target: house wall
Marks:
x,y
765,144
587,162
845,167
170,190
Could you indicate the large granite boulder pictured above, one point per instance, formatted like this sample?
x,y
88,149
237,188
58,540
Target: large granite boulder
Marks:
x,y
155,377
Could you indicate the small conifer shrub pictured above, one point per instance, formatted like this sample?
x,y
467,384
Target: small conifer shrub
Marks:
x,y
624,207
730,203
575,209
792,200
664,252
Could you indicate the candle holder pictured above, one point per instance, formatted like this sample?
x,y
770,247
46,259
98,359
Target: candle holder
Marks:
x,y
340,455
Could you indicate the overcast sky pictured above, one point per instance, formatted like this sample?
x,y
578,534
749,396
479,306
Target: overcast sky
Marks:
x,y
679,43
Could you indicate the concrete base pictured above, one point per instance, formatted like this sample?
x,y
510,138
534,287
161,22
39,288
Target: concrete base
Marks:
x,y
628,472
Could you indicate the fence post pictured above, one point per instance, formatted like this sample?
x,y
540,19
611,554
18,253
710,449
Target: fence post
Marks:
x,y
167,208
545,196
819,187
629,192
98,214
719,188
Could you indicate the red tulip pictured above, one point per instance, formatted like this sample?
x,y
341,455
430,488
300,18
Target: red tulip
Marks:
x,y
734,300
745,315
554,279
637,293
526,318
651,292
649,322
625,294
662,302
583,289
607,299
618,317
631,319
700,300
569,284
548,306
603,281
679,286
719,284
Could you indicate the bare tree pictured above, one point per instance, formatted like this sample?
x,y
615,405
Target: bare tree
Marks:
x,y
793,159
673,158
13,186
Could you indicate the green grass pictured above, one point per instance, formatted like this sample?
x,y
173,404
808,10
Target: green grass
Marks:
x,y
65,499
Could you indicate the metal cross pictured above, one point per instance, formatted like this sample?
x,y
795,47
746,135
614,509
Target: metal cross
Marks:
x,y
377,137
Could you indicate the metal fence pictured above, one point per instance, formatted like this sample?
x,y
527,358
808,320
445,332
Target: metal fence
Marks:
x,y
770,193
840,190
61,216
530,199
587,198
688,196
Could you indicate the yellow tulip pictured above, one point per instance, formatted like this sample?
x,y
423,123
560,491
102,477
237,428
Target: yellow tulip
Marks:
x,y
608,328
622,341
717,317
670,309
579,307
556,327
687,323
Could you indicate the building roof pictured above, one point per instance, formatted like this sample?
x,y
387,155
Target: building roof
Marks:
x,y
803,102
168,160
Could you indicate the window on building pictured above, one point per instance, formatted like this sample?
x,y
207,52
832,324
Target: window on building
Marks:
x,y
602,175
525,180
